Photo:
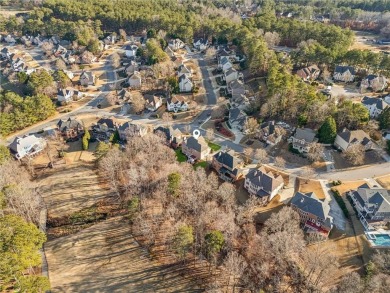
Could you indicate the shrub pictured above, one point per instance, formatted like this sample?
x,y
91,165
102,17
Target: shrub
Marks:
x,y
337,182
85,142
340,202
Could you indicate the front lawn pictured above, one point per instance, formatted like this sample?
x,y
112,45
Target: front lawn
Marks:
x,y
214,147
202,164
180,156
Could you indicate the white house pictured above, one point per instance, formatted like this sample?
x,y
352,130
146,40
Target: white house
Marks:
x,y
134,80
347,138
231,74
374,105
67,95
225,64
201,44
131,50
87,78
69,74
176,44
5,53
182,69
131,68
344,73
152,102
176,104
185,84
302,139
27,145
9,39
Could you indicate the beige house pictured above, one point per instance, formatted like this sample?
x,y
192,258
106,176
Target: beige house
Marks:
x,y
263,184
87,78
195,149
347,138
134,80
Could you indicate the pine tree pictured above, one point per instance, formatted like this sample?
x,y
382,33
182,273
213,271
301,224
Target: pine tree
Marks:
x,y
328,131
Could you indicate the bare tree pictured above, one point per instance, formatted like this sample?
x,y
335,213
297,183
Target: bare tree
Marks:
x,y
248,154
122,34
74,67
166,117
261,156
138,103
351,283
355,154
251,126
111,98
280,162
187,128
272,39
316,151
210,52
47,47
219,111
116,60
235,264
307,173
60,64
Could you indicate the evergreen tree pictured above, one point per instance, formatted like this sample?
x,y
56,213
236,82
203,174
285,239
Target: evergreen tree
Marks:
x,y
328,131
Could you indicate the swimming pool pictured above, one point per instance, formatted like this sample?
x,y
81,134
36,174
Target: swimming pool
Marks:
x,y
382,240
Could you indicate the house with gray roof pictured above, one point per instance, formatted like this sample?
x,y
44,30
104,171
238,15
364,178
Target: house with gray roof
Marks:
x,y
231,74
27,146
185,84
309,73
70,127
264,184
176,44
228,165
225,64
372,205
183,69
374,105
302,139
152,102
174,137
270,133
195,148
347,138
313,213
87,78
127,130
237,119
344,73
375,83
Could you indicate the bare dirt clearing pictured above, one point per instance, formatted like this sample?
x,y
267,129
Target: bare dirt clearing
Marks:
x,y
106,258
71,188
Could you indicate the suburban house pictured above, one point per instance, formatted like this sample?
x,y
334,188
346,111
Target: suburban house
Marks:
x,y
17,64
185,84
240,101
111,39
134,80
59,50
176,44
131,68
347,138
28,145
264,184
309,73
87,78
105,125
131,50
344,73
169,52
270,133
313,213
237,119
195,149
231,74
228,165
9,39
182,69
374,105
376,83
236,88
225,64
176,104
70,58
174,137
70,128
124,95
302,139
5,53
128,129
152,102
87,58
67,95
69,74
201,44
372,205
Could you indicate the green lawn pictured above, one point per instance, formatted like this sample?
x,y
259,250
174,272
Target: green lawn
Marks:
x,y
202,164
180,156
215,147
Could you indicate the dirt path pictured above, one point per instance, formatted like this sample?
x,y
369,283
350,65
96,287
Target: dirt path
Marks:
x,y
70,189
106,258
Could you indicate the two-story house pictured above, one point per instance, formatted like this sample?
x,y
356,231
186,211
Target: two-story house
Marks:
x,y
309,73
313,213
177,104
174,137
176,44
228,165
264,184
375,83
185,84
70,128
87,78
270,133
344,73
28,145
195,148
374,105
134,80
152,102
237,119
128,130
347,138
67,95
372,205
131,50
302,139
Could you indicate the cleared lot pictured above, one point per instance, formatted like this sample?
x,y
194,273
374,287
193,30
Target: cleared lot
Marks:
x,y
106,258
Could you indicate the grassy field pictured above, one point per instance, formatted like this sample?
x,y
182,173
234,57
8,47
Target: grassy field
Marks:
x,y
214,147
180,156
202,164
311,186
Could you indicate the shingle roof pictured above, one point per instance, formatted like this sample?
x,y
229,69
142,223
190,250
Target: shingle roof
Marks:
x,y
109,122
196,144
230,71
227,158
355,136
68,123
266,181
177,100
309,203
343,69
305,134
373,198
378,102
